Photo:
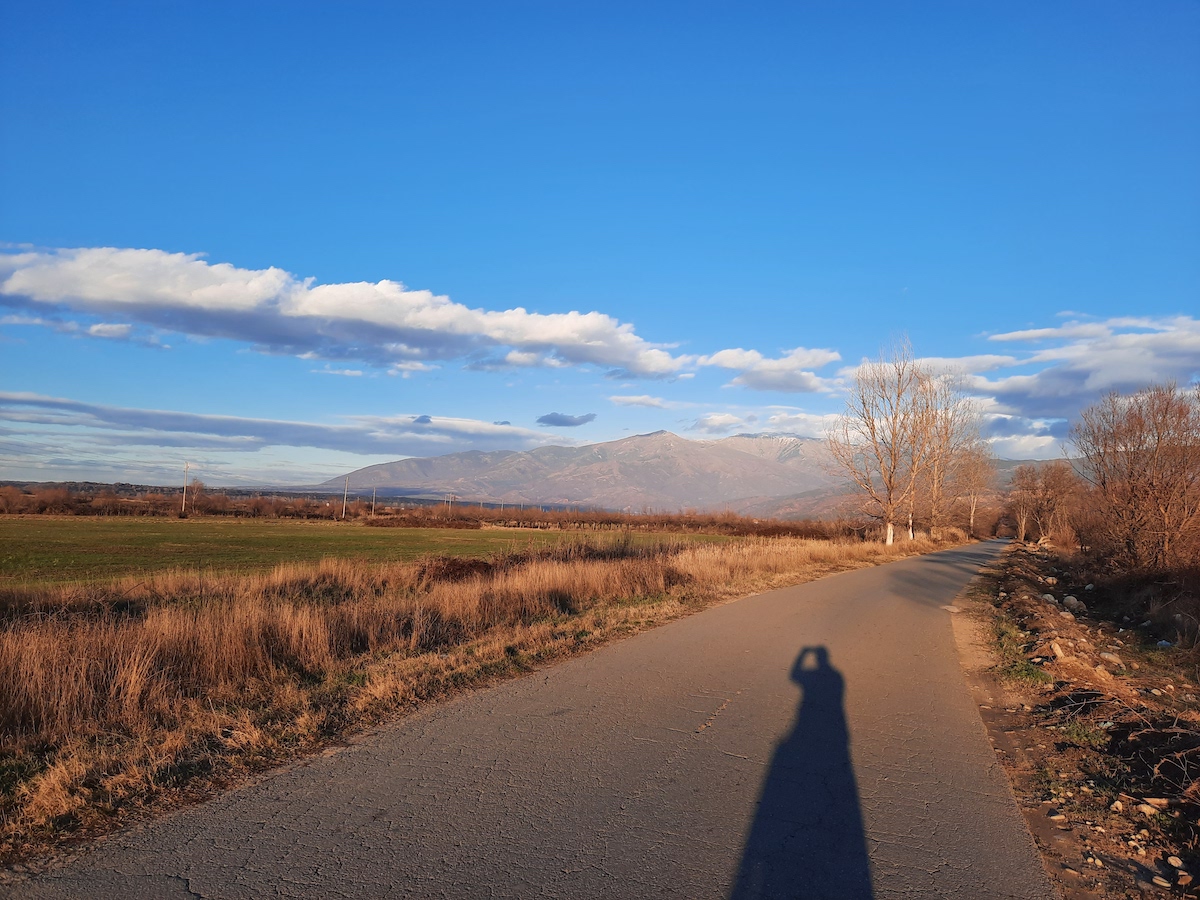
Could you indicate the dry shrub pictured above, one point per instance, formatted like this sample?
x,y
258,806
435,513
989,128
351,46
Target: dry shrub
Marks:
x,y
108,693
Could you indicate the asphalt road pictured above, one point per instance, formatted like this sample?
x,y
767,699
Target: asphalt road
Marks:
x,y
814,741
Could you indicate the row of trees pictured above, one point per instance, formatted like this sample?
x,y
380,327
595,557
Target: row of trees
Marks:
x,y
1132,494
910,440
102,500
1043,500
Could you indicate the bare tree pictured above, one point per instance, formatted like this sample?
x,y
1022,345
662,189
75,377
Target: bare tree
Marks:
x,y
974,475
1057,487
949,426
196,491
1041,497
878,440
1142,455
1022,498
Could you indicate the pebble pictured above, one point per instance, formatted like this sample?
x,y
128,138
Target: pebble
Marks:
x,y
1112,658
1051,581
1156,692
1174,862
1146,809
1161,882
1163,644
1058,651
1049,598
1184,879
1117,806
1067,615
1090,587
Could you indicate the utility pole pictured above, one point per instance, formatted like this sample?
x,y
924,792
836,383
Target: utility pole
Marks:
x,y
345,496
373,490
183,509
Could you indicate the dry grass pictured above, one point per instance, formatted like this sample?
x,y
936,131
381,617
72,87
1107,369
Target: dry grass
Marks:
x,y
112,697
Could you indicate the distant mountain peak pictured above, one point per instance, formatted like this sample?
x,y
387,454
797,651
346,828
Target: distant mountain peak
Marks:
x,y
659,470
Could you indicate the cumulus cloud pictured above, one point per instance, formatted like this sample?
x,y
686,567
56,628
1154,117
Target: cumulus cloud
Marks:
x,y
562,420
384,323
721,423
399,435
792,372
639,400
1077,363
110,330
802,423
349,373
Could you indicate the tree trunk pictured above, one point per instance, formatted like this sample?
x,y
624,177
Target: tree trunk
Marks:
x,y
891,537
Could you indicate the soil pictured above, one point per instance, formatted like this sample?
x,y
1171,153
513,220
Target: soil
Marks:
x,y
1096,724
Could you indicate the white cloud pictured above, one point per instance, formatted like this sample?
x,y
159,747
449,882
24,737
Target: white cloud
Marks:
x,y
801,423
407,368
349,373
791,372
1078,363
108,330
1069,330
383,323
398,435
721,423
984,362
24,320
639,400
1029,446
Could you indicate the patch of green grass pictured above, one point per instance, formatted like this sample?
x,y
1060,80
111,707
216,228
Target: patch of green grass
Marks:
x,y
1025,671
1084,735
18,769
53,550
1013,664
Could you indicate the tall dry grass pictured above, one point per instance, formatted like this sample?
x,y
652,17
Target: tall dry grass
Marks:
x,y
110,695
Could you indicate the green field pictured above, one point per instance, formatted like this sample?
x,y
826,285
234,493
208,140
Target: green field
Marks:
x,y
68,548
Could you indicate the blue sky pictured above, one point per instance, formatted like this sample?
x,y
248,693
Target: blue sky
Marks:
x,y
611,217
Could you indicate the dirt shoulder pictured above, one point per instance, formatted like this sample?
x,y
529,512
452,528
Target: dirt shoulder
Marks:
x,y
1097,726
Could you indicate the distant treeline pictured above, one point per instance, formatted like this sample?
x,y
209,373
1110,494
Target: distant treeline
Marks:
x,y
104,500
466,516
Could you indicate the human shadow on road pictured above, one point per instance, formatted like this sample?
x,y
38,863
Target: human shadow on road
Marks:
x,y
807,840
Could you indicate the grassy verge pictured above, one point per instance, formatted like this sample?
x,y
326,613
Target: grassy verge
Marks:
x,y
127,695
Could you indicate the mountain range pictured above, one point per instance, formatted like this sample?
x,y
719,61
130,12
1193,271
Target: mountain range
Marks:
x,y
755,474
